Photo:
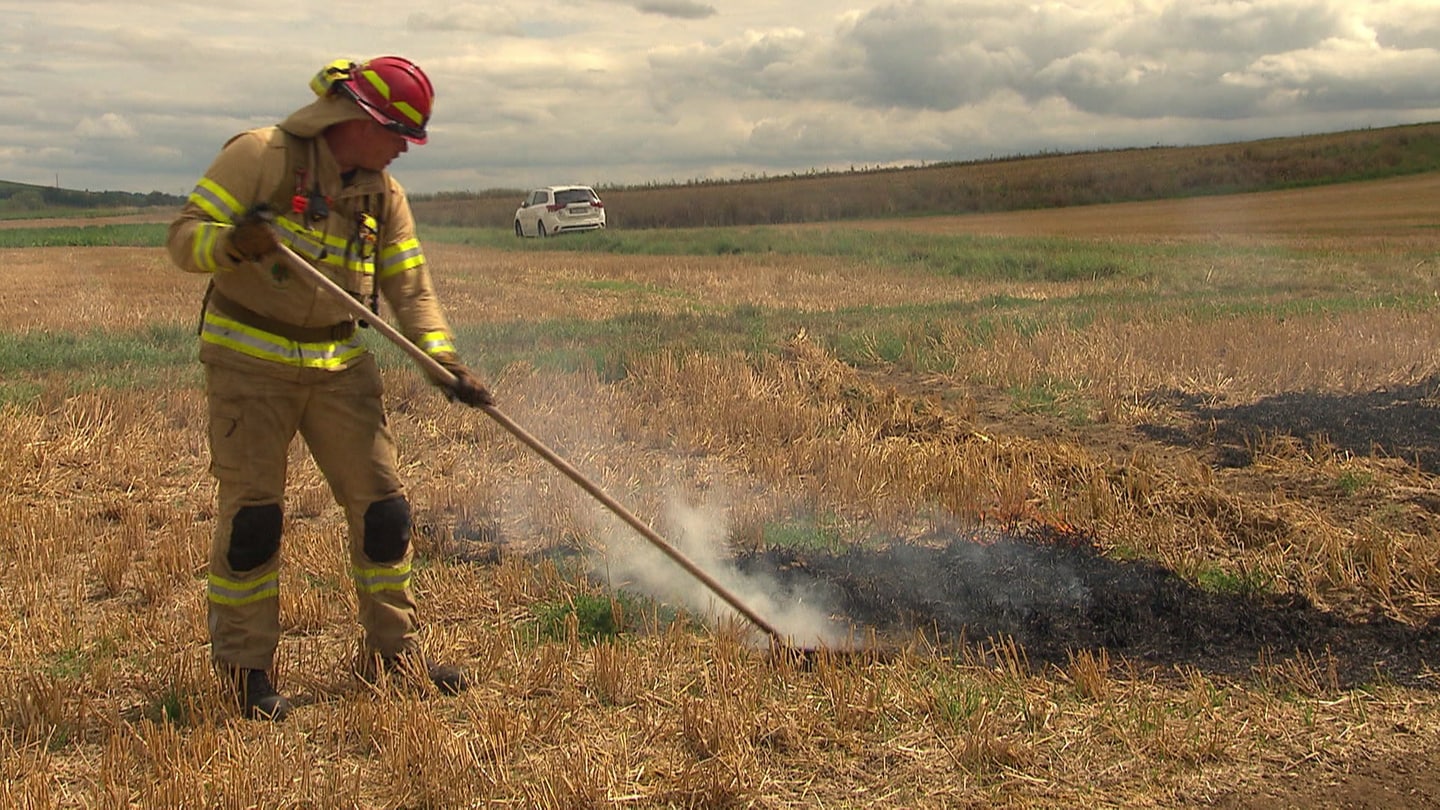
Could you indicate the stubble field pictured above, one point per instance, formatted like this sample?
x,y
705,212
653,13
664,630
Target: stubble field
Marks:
x,y
1162,535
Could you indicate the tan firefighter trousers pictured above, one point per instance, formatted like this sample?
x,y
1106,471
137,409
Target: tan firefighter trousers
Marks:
x,y
253,419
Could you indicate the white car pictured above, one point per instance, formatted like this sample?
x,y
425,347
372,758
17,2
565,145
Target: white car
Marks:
x,y
559,209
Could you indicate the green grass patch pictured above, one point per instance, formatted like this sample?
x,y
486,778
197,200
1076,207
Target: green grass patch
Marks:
x,y
1215,579
95,351
67,663
1353,482
942,254
1050,397
915,337
957,703
606,346
807,534
16,392
115,235
75,662
596,617
170,707
159,356
635,289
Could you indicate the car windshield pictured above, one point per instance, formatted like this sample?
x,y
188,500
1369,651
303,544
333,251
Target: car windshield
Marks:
x,y
574,195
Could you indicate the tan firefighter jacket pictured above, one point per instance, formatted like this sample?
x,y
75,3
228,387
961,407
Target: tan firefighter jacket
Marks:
x,y
261,315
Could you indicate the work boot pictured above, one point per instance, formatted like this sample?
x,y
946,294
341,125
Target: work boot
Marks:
x,y
412,668
257,698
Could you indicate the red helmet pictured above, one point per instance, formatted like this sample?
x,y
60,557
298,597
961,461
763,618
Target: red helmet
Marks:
x,y
393,90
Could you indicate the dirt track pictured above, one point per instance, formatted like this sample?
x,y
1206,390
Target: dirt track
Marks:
x,y
161,215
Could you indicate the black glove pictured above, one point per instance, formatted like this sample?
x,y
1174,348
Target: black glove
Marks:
x,y
467,387
253,235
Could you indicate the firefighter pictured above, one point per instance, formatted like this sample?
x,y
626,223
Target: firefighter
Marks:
x,y
282,356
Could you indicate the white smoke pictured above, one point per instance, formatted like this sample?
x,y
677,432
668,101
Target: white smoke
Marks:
x,y
698,531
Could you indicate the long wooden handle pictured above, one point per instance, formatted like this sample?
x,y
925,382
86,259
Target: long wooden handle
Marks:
x,y
439,372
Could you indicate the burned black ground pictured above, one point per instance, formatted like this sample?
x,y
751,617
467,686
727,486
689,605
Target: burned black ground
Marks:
x,y
1053,594
1399,421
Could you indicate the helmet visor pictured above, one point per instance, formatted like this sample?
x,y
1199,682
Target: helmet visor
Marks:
x,y
409,132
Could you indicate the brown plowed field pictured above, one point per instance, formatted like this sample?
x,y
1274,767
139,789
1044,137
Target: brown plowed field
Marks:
x,y
1406,207
159,215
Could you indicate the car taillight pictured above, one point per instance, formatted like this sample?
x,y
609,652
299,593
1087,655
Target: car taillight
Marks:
x,y
596,204
555,207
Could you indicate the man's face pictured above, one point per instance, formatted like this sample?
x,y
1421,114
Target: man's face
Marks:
x,y
364,144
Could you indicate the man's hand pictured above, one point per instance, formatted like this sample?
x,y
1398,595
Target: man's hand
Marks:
x,y
253,235
467,387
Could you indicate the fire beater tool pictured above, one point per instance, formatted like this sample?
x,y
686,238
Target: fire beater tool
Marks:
x,y
439,372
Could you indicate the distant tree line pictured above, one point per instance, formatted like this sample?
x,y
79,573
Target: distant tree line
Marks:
x,y
19,197
1003,184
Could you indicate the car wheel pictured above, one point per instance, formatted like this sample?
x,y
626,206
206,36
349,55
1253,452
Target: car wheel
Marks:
x,y
519,231
540,229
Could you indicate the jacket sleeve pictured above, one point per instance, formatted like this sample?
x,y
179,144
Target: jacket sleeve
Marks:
x,y
198,238
404,279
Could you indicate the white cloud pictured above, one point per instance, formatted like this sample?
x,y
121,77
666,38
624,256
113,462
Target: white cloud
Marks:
x,y
1341,75
109,126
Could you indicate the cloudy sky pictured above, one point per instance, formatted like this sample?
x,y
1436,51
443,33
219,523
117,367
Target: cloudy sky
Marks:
x,y
138,96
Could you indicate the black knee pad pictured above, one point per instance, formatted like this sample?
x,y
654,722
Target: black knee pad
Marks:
x,y
387,529
254,536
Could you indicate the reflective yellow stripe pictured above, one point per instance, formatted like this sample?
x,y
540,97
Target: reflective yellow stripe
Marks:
x,y
207,242
229,592
435,343
236,336
381,86
374,580
399,257
326,249
410,112
214,200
